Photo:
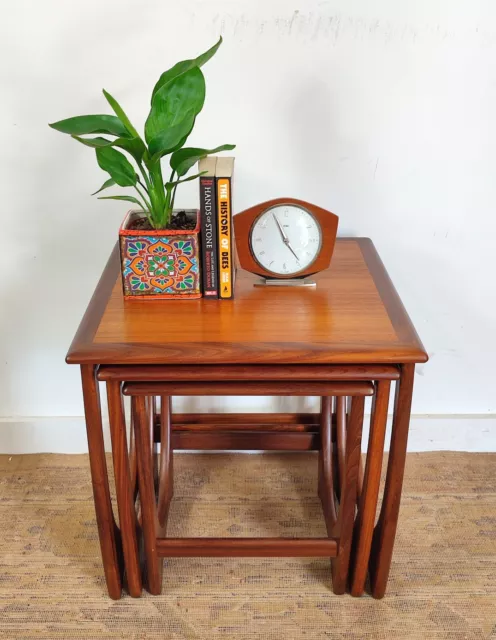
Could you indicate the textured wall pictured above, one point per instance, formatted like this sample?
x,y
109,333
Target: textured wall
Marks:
x,y
383,112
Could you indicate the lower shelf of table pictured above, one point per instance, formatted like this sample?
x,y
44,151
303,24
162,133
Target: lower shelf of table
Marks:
x,y
245,432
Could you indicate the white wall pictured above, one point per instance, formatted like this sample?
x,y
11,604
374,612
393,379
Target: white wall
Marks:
x,y
384,112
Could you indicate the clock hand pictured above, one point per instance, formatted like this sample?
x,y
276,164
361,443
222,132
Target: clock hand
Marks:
x,y
285,237
288,244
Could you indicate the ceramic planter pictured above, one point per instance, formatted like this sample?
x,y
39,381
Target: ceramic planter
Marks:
x,y
161,264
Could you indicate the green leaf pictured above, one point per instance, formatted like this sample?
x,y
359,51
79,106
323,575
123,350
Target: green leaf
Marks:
x,y
117,165
170,139
82,125
119,112
108,183
127,198
134,146
169,185
183,159
185,65
173,102
205,57
94,142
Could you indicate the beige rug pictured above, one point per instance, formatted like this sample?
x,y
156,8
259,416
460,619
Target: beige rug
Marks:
x,y
442,585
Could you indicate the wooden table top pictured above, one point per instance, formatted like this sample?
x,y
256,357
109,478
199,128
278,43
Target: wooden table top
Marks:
x,y
353,316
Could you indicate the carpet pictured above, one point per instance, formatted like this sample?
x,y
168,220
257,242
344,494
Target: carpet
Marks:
x,y
442,584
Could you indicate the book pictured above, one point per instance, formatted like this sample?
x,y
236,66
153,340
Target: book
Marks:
x,y
208,215
223,184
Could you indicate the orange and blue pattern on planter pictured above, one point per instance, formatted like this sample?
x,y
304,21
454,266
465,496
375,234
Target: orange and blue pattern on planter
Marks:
x,y
160,264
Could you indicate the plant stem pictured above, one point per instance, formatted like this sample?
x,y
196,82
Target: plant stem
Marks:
x,y
173,198
146,208
145,176
157,196
141,204
143,196
171,192
167,200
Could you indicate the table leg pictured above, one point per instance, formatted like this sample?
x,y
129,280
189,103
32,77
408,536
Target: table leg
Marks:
x,y
107,529
385,531
340,439
149,516
133,462
367,503
346,516
166,475
124,488
326,482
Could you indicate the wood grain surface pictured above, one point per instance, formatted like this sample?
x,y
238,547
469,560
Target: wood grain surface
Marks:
x,y
354,315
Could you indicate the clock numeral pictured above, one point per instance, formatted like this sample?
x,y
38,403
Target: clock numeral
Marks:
x,y
258,239
262,253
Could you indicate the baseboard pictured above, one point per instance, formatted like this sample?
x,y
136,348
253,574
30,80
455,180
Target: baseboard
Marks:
x,y
427,433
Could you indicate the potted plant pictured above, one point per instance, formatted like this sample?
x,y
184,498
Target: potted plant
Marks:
x,y
159,245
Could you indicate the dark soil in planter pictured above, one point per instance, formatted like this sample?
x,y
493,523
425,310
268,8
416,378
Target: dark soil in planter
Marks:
x,y
180,222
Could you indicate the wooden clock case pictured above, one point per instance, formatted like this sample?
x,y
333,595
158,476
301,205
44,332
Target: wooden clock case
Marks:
x,y
244,221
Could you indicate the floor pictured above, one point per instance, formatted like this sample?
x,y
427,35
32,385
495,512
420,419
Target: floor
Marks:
x,y
442,585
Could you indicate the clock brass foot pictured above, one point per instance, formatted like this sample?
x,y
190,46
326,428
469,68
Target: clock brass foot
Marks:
x,y
287,282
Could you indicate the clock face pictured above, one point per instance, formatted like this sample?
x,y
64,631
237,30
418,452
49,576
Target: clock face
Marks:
x,y
285,239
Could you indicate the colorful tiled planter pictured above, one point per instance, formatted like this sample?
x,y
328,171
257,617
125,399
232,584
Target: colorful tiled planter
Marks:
x,y
161,264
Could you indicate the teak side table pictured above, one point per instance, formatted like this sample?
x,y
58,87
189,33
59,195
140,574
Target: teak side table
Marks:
x,y
348,338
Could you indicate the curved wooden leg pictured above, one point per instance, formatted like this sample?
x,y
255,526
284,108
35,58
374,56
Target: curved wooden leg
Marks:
x,y
124,488
107,529
344,526
341,437
152,414
166,479
133,462
367,503
326,485
149,517
385,531
335,458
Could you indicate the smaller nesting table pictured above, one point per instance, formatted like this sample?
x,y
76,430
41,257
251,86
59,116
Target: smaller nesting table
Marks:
x,y
347,339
